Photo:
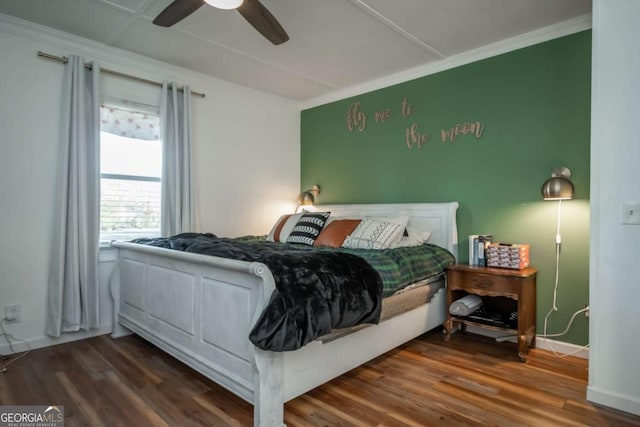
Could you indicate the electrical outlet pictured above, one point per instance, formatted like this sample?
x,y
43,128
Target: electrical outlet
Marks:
x,y
12,312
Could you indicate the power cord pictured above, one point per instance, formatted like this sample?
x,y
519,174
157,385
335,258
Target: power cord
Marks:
x,y
545,335
7,336
554,307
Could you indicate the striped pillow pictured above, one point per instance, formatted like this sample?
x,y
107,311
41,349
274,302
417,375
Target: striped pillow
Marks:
x,y
308,228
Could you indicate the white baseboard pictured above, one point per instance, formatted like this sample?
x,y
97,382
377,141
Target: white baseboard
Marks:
x,y
541,343
562,347
611,399
45,341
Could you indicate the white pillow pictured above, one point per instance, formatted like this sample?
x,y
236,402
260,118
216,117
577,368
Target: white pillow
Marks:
x,y
414,238
373,234
283,227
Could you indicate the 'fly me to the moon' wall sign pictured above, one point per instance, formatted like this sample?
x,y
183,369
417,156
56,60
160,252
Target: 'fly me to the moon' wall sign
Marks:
x,y
414,136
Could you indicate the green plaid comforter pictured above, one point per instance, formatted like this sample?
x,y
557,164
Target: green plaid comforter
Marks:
x,y
398,267
401,267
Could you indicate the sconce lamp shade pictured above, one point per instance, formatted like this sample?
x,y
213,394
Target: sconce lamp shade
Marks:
x,y
308,197
559,186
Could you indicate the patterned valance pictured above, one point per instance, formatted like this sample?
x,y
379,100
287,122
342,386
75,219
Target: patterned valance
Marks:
x,y
130,124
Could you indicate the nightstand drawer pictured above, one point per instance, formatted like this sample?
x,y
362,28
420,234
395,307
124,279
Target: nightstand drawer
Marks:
x,y
483,284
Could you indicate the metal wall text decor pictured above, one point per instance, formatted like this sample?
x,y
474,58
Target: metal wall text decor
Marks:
x,y
414,135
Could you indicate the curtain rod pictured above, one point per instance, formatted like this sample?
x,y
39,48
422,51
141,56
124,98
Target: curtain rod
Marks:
x,y
64,60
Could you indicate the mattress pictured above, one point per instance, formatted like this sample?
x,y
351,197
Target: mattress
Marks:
x,y
402,301
411,297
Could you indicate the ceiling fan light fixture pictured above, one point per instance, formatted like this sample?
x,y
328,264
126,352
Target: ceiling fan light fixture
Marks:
x,y
252,11
225,4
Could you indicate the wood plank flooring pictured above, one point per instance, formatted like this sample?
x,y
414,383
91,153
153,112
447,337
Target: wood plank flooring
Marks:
x,y
426,382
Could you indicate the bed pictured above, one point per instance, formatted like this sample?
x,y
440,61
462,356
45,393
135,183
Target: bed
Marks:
x,y
201,308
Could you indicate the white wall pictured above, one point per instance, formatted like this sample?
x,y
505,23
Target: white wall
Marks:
x,y
246,146
614,373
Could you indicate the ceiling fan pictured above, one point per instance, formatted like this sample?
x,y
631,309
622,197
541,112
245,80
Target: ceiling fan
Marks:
x,y
252,10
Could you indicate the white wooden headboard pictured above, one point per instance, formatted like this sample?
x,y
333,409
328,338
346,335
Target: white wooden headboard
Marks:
x,y
438,218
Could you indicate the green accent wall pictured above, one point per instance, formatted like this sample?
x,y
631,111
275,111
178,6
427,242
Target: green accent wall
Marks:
x,y
534,104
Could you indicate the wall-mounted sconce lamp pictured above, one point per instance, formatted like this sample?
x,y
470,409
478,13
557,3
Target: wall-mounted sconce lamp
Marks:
x,y
308,197
559,186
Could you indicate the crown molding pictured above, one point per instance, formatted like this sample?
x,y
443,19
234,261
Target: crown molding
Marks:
x,y
153,69
541,35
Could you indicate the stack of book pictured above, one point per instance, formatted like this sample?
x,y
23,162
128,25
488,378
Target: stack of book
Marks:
x,y
508,255
478,244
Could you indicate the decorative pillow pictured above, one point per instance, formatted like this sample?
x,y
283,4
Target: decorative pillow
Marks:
x,y
334,233
283,227
308,228
373,234
413,238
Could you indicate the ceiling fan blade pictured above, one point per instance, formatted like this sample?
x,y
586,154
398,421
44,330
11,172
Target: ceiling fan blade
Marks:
x,y
177,11
263,21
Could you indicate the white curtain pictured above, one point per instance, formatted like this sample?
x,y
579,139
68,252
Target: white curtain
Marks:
x,y
178,207
73,275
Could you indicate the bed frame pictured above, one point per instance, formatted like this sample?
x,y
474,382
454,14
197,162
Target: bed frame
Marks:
x,y
200,309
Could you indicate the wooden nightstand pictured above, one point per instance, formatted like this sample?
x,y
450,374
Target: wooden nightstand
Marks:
x,y
510,290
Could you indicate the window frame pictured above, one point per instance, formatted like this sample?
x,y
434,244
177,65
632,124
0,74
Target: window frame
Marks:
x,y
106,237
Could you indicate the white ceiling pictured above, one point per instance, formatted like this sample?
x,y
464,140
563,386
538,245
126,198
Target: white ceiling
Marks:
x,y
334,44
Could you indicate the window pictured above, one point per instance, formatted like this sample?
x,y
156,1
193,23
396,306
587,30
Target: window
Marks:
x,y
130,172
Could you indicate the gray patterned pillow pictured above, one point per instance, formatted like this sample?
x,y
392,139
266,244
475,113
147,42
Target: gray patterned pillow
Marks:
x,y
373,234
308,228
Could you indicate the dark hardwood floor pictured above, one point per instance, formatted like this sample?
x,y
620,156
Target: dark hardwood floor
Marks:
x,y
466,382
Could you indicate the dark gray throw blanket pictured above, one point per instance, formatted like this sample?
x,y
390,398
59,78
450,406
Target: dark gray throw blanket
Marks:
x,y
316,291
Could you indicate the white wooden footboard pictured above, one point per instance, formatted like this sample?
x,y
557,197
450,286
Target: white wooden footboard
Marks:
x,y
200,309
